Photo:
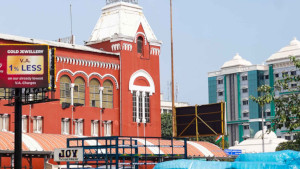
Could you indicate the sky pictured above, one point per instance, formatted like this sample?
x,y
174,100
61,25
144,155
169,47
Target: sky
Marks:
x,y
206,34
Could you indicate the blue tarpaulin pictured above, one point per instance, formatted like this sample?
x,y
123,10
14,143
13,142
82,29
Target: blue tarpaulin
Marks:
x,y
278,160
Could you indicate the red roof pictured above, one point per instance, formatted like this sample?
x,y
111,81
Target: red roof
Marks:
x,y
49,142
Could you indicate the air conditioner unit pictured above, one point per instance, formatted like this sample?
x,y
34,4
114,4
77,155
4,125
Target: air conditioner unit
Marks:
x,y
65,105
78,104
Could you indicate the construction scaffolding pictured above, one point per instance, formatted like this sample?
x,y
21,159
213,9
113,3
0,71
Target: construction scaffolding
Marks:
x,y
126,152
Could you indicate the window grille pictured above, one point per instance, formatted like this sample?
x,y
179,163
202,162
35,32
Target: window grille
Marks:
x,y
245,90
108,95
94,93
134,106
79,91
220,81
147,107
245,102
65,89
244,78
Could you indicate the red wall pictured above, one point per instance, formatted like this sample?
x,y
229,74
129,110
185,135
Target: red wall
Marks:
x,y
131,61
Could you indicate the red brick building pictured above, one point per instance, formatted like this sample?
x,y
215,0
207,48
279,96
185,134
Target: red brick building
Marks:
x,y
109,86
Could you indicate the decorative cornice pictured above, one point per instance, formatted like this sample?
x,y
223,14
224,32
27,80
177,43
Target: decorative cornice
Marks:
x,y
237,69
283,65
88,63
88,76
115,47
155,51
127,46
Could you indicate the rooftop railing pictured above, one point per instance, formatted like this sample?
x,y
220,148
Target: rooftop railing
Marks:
x,y
128,1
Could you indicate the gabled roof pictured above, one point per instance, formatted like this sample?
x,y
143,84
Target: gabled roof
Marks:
x,y
53,43
236,61
121,20
293,49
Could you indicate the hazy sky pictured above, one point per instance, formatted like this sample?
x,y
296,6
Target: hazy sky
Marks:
x,y
207,33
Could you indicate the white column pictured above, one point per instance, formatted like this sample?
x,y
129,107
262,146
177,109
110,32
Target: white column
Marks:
x,y
143,108
101,95
137,107
72,103
72,93
101,106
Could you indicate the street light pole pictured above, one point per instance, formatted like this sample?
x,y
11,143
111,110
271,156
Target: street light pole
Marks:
x,y
172,71
262,129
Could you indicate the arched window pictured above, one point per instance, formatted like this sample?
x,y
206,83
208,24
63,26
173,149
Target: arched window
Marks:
x,y
65,89
140,45
94,93
108,95
142,87
79,91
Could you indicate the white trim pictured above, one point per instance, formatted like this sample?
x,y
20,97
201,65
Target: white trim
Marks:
x,y
31,143
202,149
104,76
88,76
155,150
140,33
145,74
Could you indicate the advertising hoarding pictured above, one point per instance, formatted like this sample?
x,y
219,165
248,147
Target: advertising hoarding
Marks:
x,y
68,154
24,66
203,120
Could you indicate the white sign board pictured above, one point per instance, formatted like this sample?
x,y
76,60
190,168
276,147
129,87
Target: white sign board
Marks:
x,y
68,154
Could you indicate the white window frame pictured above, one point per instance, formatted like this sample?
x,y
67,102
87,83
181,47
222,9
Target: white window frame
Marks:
x,y
5,122
95,128
38,122
79,127
24,123
107,128
65,125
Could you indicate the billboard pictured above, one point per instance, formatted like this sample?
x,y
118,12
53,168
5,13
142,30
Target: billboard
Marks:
x,y
68,154
24,66
203,120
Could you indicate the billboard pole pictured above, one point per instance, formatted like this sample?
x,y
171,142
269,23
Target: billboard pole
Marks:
x,y
172,71
18,129
223,127
196,114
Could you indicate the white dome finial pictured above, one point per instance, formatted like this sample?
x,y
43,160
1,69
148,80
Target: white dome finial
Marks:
x,y
237,56
294,41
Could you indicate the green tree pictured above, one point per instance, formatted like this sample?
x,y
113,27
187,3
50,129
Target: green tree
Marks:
x,y
265,97
166,125
290,145
287,103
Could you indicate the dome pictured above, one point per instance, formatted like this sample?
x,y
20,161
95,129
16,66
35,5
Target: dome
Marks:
x,y
121,19
267,134
293,49
236,61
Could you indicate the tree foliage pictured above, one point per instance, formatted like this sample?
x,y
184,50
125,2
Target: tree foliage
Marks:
x,y
286,96
265,95
290,145
166,125
287,100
